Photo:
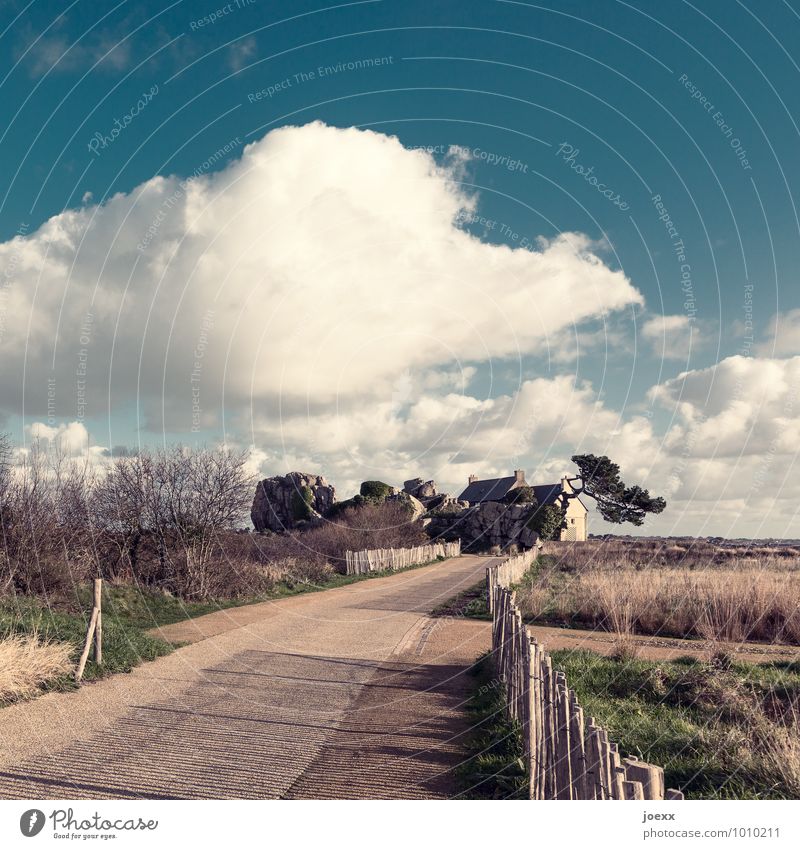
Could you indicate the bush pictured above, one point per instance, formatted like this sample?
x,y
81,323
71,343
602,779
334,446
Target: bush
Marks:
x,y
547,520
520,495
302,499
340,507
375,490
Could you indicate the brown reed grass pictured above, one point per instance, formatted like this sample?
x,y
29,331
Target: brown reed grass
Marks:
x,y
27,662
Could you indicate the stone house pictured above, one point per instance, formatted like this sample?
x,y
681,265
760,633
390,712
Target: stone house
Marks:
x,y
496,489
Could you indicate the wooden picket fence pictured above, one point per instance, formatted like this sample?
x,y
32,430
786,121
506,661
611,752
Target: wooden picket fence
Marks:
x,y
381,559
567,757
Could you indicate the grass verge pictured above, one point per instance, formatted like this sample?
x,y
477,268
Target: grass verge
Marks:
x,y
129,611
720,730
492,767
470,603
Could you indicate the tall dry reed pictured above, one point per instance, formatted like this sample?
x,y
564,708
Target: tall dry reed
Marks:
x,y
715,604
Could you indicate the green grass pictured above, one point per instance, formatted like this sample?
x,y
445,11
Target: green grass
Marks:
x,y
125,644
492,767
129,611
686,716
470,603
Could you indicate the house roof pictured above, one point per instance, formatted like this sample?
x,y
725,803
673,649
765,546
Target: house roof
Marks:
x,y
547,493
493,489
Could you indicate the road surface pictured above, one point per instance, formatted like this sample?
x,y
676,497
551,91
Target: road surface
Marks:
x,y
348,693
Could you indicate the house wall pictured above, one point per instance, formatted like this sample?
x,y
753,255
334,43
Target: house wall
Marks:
x,y
577,519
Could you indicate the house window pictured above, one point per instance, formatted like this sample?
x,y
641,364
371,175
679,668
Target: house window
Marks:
x,y
572,521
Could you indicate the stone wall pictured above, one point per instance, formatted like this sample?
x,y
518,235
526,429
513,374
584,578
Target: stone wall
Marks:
x,y
481,527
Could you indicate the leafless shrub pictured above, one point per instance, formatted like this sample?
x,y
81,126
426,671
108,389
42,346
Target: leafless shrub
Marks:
x,y
166,519
46,539
182,504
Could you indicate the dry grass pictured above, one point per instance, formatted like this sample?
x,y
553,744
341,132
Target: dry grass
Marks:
x,y
719,605
651,552
703,591
765,745
27,662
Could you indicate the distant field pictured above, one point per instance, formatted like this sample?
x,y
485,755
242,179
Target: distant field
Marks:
x,y
731,593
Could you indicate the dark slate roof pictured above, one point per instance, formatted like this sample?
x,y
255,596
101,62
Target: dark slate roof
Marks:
x,y
493,489
547,493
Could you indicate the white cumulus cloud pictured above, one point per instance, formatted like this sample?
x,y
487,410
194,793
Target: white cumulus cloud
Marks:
x,y
310,272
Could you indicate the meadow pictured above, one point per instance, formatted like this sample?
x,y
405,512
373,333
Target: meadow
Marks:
x,y
693,589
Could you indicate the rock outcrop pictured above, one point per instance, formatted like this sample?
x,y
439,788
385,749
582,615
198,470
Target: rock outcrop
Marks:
x,y
420,488
482,527
414,505
283,502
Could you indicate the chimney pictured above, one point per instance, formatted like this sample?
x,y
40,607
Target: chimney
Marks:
x,y
519,474
471,479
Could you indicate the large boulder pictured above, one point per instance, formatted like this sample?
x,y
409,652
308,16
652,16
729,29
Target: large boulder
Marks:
x,y
420,488
415,507
283,502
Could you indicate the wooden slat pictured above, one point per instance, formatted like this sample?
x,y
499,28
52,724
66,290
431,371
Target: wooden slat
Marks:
x,y
567,757
577,748
651,777
632,790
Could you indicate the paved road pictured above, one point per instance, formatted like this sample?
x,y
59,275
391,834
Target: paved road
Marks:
x,y
348,693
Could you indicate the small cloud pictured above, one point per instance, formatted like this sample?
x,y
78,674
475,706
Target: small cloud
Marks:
x,y
673,337
69,438
239,53
59,52
784,336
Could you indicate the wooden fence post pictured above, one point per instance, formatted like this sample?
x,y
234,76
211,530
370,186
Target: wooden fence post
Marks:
x,y
567,757
98,629
93,633
86,646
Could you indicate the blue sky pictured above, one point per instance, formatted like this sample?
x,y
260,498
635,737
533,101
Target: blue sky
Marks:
x,y
682,111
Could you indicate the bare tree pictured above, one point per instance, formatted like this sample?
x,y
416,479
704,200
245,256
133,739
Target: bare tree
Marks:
x,y
168,511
